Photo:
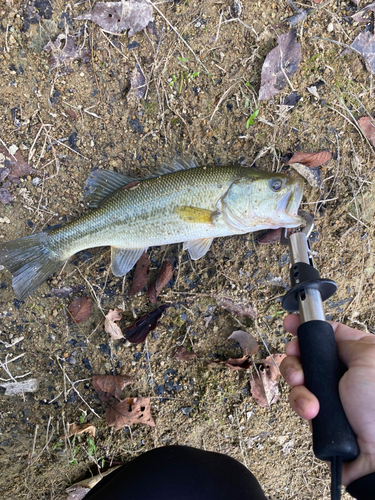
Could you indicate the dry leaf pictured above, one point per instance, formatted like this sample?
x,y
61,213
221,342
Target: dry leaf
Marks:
x,y
107,386
128,412
74,429
76,492
15,165
163,278
110,326
248,343
264,387
5,196
280,64
358,16
274,236
137,86
116,17
140,274
237,363
310,159
139,330
238,306
182,354
312,175
64,51
80,309
368,128
364,44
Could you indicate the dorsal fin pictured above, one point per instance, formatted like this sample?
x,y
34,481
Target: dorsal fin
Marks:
x,y
101,183
174,164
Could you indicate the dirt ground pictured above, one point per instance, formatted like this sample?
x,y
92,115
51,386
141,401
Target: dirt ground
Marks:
x,y
83,111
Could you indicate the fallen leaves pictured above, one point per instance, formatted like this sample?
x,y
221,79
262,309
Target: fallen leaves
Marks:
x,y
122,412
364,44
13,166
163,278
128,412
183,354
368,128
310,160
116,17
140,274
281,63
110,326
238,306
263,384
248,343
65,291
80,309
5,196
107,386
75,429
137,86
139,330
64,51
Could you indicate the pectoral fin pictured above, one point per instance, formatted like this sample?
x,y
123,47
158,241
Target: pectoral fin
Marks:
x,y
198,248
195,214
123,259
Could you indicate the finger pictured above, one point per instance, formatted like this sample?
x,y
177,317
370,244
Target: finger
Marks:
x,y
291,323
291,370
303,402
292,348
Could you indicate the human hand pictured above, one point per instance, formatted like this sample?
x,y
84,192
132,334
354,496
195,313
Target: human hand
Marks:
x,y
356,389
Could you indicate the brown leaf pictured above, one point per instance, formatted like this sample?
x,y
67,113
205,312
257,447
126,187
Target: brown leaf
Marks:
x,y
182,354
368,128
311,159
248,343
137,86
128,412
16,165
71,113
358,16
280,64
139,330
64,51
80,309
274,236
364,44
140,274
272,363
116,17
110,326
312,175
238,306
163,278
237,363
5,196
110,385
74,429
264,387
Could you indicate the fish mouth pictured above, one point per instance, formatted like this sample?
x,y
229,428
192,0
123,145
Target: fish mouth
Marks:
x,y
289,205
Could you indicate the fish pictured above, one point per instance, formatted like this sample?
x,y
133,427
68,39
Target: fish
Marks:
x,y
181,203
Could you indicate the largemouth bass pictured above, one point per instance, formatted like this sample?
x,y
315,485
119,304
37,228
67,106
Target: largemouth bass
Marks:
x,y
182,203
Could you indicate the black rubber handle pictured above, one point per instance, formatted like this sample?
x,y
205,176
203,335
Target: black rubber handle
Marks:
x,y
332,433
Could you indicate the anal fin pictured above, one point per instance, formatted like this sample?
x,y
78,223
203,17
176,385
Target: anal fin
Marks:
x,y
123,259
198,248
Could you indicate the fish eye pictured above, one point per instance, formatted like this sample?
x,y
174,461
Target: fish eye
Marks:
x,y
276,184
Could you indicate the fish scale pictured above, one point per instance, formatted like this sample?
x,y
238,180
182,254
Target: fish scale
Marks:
x,y
187,204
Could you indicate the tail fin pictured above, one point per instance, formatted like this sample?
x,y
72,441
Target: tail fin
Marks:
x,y
31,262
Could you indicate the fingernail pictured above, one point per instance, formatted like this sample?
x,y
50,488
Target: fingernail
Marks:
x,y
302,403
290,374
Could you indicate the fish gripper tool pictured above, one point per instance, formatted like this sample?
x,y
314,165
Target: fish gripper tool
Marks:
x,y
333,438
